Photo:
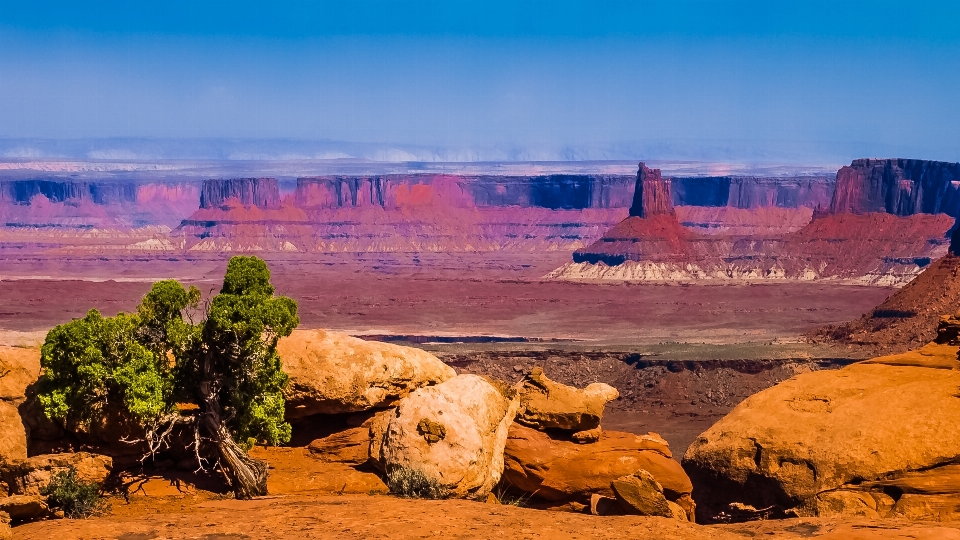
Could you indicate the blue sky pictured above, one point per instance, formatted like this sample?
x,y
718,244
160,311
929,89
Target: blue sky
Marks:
x,y
815,81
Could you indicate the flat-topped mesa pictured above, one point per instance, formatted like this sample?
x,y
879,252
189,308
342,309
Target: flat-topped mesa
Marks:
x,y
902,187
652,196
259,192
70,191
555,192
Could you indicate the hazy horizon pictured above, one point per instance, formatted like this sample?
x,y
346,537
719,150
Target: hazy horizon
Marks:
x,y
790,82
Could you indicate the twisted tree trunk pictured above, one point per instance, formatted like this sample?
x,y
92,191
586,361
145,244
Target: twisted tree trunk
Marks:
x,y
248,475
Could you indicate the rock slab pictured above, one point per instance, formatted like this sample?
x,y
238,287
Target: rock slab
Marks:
x,y
560,471
641,494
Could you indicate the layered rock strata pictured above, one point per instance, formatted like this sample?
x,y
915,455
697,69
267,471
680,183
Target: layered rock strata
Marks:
x,y
751,192
259,192
902,187
910,207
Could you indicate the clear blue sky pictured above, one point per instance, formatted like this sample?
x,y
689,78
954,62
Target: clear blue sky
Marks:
x,y
754,79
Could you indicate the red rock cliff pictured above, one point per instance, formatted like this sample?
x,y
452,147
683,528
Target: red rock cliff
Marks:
x,y
903,187
259,192
652,195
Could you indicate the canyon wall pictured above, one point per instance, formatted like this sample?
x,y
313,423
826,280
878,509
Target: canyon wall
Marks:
x,y
259,192
71,203
557,191
723,225
753,192
902,187
417,213
23,191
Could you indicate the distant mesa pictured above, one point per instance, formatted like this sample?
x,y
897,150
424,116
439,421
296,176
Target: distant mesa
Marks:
x,y
58,191
555,192
883,224
903,187
259,192
887,220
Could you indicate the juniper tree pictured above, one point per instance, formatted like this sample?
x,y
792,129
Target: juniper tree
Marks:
x,y
150,361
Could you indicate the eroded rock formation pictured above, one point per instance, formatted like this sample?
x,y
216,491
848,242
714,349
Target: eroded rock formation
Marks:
x,y
887,221
561,472
19,368
908,318
545,404
874,439
651,196
259,192
902,187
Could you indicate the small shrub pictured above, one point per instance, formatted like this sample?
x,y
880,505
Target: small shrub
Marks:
x,y
77,498
508,497
414,484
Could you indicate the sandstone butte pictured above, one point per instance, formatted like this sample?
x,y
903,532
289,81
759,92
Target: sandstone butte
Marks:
x,y
887,220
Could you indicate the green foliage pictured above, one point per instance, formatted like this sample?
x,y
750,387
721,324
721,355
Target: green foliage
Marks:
x,y
90,361
240,338
156,357
77,499
160,316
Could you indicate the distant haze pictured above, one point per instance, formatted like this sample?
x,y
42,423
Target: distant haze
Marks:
x,y
790,82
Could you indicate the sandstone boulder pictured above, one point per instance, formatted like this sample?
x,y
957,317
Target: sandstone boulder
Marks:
x,y
559,471
19,368
378,425
27,476
873,439
24,507
545,404
447,440
13,436
331,372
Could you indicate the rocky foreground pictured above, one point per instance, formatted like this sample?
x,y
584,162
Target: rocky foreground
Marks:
x,y
866,451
